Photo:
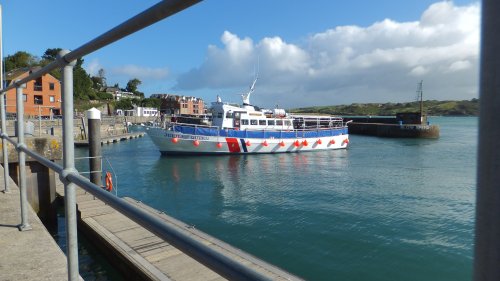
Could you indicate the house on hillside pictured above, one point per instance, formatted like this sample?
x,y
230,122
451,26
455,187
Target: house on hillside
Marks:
x,y
118,93
41,96
175,104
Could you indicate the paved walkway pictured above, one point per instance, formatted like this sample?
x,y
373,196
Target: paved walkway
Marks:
x,y
27,255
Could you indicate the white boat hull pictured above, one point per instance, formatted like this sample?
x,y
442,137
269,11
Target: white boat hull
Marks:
x,y
170,142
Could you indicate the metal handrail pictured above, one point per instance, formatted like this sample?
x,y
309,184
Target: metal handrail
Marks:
x,y
214,260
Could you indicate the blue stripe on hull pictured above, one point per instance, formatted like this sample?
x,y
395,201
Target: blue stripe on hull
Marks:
x,y
244,145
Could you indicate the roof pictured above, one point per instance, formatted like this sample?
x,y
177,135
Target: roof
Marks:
x,y
16,73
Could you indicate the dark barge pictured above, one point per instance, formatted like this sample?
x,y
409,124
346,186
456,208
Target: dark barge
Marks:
x,y
403,125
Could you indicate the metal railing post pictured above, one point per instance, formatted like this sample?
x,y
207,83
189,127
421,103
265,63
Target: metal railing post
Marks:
x,y
69,168
22,158
4,142
487,238
3,115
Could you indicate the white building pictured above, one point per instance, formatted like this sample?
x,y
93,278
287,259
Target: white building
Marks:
x,y
139,112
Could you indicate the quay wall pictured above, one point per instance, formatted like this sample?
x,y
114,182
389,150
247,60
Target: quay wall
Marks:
x,y
110,126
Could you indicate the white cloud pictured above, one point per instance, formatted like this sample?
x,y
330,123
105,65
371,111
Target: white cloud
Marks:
x,y
140,72
418,71
460,65
122,74
93,67
379,63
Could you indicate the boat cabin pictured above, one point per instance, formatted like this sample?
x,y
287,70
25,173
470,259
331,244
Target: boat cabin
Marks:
x,y
227,116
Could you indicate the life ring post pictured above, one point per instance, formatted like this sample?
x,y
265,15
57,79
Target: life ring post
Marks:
x,y
109,181
94,129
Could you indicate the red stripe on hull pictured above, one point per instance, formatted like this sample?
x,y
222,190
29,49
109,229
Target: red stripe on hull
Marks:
x,y
233,145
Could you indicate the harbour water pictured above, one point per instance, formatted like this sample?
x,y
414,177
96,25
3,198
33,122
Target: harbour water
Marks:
x,y
384,209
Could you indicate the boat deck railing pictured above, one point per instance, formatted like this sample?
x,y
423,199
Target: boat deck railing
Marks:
x,y
206,130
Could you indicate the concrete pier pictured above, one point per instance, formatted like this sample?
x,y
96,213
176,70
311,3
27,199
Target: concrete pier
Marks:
x,y
28,255
112,139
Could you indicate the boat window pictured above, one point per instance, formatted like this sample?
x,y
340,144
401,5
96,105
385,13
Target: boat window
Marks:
x,y
253,122
244,121
219,115
270,122
288,123
237,115
262,122
279,122
229,114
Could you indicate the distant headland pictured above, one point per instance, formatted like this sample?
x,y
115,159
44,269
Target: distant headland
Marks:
x,y
431,107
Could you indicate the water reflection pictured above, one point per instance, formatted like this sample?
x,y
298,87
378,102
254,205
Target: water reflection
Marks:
x,y
242,179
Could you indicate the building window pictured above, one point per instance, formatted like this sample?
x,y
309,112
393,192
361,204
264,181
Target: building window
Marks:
x,y
25,97
38,84
38,99
52,98
51,86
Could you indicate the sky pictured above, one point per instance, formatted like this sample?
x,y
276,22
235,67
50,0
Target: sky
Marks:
x,y
304,53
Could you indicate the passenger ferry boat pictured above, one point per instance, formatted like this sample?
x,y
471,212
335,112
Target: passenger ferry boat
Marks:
x,y
246,129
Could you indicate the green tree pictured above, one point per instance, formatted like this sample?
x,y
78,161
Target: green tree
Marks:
x,y
104,96
20,59
101,74
82,84
132,85
124,104
97,83
49,56
151,102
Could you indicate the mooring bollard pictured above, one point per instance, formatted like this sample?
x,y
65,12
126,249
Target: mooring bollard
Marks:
x,y
95,163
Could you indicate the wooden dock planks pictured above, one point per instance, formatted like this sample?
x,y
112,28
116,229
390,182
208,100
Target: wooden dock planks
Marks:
x,y
154,257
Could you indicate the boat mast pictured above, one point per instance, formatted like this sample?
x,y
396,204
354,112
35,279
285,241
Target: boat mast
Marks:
x,y
246,97
420,95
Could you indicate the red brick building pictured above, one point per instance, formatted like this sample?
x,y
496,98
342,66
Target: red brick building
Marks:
x,y
174,104
41,96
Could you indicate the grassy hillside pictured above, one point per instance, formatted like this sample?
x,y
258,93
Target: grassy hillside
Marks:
x,y
432,107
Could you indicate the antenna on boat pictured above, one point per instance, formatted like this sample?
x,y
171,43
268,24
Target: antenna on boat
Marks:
x,y
246,97
420,93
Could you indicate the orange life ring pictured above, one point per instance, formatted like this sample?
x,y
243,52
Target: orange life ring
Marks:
x,y
109,182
